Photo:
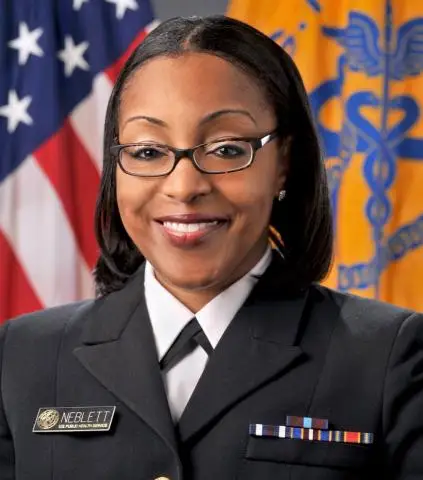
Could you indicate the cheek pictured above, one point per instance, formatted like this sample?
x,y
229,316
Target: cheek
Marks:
x,y
132,198
252,197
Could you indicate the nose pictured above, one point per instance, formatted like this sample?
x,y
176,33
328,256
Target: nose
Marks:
x,y
186,184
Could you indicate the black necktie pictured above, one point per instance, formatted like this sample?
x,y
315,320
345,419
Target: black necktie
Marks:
x,y
190,337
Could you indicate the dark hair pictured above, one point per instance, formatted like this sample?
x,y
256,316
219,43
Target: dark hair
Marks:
x,y
303,219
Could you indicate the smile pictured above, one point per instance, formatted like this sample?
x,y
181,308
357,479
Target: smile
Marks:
x,y
189,230
189,227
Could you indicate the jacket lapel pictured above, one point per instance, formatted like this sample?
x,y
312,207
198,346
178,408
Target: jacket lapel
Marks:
x,y
259,345
119,351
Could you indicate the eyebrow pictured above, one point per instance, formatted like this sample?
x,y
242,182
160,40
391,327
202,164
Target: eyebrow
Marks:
x,y
213,115
206,119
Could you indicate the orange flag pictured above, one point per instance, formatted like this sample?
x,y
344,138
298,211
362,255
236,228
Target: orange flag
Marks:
x,y
362,63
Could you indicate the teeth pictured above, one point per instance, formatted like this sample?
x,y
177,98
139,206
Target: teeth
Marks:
x,y
188,227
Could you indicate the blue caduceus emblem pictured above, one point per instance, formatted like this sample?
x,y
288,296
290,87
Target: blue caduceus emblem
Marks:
x,y
393,57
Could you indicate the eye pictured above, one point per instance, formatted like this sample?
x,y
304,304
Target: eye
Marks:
x,y
229,150
146,152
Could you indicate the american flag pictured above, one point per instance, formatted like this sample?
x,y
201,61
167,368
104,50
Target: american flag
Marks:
x,y
58,62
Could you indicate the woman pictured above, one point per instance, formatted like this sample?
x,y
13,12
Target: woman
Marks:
x,y
213,213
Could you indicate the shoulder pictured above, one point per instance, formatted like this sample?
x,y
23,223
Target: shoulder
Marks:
x,y
381,342
42,325
366,317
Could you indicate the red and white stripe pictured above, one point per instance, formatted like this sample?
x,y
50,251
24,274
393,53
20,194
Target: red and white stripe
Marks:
x,y
47,243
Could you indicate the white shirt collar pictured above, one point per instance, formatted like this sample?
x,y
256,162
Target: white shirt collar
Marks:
x,y
169,316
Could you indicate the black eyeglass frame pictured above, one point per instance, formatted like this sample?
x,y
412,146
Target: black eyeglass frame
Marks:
x,y
180,153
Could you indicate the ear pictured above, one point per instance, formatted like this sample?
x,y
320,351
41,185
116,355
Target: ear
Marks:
x,y
283,164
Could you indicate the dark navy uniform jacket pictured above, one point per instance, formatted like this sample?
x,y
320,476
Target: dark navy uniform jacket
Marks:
x,y
322,354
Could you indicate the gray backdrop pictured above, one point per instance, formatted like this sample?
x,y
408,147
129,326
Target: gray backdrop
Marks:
x,y
165,9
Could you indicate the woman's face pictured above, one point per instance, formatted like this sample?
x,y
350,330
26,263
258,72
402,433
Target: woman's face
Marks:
x,y
182,102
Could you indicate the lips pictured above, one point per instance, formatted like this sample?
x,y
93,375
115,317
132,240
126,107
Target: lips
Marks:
x,y
188,230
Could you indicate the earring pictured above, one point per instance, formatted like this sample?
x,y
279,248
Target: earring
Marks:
x,y
282,195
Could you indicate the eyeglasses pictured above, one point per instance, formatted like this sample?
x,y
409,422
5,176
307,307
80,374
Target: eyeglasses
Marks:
x,y
148,159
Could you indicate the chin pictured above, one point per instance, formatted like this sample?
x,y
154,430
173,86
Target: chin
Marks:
x,y
198,277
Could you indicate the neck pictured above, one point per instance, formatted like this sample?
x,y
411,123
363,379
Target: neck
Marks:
x,y
196,299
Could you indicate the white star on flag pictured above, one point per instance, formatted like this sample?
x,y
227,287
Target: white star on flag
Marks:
x,y
122,6
16,111
72,56
77,4
26,43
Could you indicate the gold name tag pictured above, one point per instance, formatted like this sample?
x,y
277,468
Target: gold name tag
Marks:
x,y
73,419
